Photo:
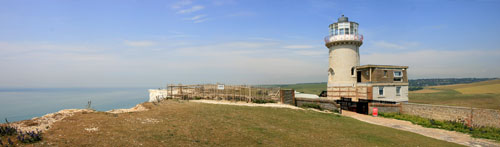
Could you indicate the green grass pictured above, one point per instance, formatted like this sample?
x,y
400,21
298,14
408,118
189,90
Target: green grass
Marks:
x,y
482,132
195,124
311,88
474,95
263,101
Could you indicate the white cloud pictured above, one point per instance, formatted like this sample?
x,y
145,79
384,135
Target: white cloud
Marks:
x,y
191,9
311,52
400,46
299,46
139,43
222,2
181,4
441,63
242,14
250,62
200,21
197,17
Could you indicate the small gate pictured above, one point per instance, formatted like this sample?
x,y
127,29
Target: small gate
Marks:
x,y
287,97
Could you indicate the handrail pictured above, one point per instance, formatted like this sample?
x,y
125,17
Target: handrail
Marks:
x,y
333,38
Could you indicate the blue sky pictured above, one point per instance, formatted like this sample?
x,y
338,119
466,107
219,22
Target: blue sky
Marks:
x,y
152,43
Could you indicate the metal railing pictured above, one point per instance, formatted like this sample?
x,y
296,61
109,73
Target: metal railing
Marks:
x,y
355,37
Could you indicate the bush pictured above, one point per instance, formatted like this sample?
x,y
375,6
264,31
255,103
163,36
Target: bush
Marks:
x,y
7,131
311,105
23,137
415,88
478,132
263,101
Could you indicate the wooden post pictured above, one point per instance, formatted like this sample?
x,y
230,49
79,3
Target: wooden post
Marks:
x,y
370,74
250,93
171,92
182,95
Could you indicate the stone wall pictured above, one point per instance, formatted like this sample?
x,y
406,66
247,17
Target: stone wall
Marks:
x,y
322,102
470,116
384,108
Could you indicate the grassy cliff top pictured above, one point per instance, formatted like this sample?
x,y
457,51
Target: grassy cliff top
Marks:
x,y
180,123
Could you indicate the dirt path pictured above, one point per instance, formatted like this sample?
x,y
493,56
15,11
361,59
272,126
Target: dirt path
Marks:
x,y
440,134
239,103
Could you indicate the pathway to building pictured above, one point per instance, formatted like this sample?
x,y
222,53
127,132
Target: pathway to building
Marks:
x,y
440,134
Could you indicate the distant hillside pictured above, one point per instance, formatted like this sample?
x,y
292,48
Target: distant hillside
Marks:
x,y
416,84
445,81
484,94
311,88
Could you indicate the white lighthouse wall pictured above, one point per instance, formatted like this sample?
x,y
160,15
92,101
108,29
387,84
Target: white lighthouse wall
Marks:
x,y
342,59
390,94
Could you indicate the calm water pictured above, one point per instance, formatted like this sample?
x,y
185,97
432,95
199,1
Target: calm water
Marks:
x,y
21,104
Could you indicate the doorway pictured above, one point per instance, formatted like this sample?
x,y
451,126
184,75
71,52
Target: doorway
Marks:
x,y
358,76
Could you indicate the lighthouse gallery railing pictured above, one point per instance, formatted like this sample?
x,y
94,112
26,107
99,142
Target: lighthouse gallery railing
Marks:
x,y
333,38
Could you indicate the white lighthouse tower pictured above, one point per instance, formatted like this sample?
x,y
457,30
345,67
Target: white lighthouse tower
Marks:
x,y
356,85
343,43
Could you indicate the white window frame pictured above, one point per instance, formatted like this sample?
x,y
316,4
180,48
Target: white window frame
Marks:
x,y
398,92
399,72
353,71
383,91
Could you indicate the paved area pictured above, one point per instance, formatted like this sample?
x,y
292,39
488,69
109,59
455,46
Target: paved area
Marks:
x,y
440,134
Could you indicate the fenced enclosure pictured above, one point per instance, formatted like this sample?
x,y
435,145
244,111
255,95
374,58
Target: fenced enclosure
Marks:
x,y
217,92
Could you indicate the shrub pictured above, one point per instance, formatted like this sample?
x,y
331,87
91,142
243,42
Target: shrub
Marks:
x,y
29,137
311,105
23,137
478,132
263,101
7,131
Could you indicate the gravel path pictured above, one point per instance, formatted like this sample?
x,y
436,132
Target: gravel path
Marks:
x,y
440,134
239,103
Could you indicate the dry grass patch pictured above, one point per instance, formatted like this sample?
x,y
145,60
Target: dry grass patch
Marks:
x,y
492,88
180,123
485,94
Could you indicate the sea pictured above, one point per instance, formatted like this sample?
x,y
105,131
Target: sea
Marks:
x,y
25,103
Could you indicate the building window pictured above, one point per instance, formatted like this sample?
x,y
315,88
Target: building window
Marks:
x,y
385,73
352,71
346,31
341,32
398,74
330,71
398,91
381,91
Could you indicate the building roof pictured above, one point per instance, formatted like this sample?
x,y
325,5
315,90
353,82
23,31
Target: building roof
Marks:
x,y
343,19
305,95
380,66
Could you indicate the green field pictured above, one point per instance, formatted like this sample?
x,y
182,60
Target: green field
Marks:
x,y
484,94
181,123
311,88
